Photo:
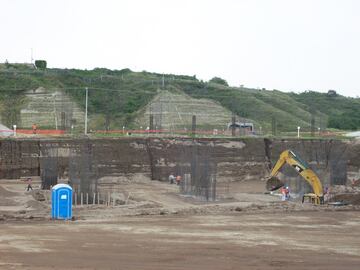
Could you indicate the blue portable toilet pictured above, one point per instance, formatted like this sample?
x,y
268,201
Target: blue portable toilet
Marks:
x,y
61,202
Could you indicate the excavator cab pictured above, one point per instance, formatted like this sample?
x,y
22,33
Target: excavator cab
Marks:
x,y
292,159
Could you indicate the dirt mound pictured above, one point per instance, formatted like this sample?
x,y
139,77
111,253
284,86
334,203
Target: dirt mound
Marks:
x,y
38,195
5,193
348,198
339,189
355,183
6,197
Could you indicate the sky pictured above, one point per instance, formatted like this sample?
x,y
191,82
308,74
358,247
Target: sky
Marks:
x,y
289,45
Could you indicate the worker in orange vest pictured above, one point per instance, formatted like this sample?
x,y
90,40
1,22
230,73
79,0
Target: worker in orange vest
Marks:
x,y
283,193
34,127
178,179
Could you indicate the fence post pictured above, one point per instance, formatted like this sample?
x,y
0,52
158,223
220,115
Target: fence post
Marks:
x,y
82,198
312,125
193,126
213,183
151,126
233,125
273,126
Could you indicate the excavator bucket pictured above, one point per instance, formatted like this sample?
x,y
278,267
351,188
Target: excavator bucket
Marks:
x,y
273,183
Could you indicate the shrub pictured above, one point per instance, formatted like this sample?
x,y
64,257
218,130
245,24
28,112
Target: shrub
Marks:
x,y
40,64
219,80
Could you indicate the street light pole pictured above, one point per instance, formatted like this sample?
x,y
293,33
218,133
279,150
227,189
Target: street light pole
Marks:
x,y
86,109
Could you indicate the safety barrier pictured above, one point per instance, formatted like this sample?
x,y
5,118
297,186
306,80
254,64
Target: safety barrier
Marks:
x,y
41,131
161,131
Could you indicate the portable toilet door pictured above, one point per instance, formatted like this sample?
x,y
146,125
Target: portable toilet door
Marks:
x,y
61,202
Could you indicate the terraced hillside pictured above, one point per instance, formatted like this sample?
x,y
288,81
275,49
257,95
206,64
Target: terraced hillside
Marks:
x,y
118,97
174,111
49,109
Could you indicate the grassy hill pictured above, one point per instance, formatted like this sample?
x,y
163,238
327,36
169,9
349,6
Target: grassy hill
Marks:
x,y
117,97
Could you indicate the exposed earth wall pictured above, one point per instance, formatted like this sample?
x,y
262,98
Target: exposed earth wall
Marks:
x,y
155,158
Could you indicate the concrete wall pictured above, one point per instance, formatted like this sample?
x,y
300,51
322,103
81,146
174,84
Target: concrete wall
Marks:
x,y
154,158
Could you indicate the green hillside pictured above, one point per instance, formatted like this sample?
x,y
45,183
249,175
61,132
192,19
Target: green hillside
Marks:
x,y
116,97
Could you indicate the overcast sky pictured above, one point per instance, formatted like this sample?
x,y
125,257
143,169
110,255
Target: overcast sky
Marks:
x,y
290,45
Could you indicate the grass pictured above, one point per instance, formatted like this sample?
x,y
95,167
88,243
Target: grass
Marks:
x,y
116,96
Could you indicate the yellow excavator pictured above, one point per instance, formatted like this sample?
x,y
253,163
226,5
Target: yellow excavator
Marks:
x,y
289,157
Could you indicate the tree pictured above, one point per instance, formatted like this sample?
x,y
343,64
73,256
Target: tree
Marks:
x,y
345,121
331,93
12,102
40,64
219,80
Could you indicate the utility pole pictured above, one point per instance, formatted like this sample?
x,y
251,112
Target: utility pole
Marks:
x,y
193,126
86,109
55,116
233,125
312,125
273,125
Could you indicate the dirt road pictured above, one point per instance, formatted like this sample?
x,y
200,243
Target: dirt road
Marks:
x,y
224,236
239,241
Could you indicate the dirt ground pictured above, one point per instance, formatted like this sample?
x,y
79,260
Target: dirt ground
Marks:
x,y
159,229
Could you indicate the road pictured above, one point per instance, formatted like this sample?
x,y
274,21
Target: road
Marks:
x,y
240,234
239,241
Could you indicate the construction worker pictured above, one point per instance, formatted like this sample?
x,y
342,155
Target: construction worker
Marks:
x,y
34,127
178,179
326,193
29,182
287,193
283,194
171,178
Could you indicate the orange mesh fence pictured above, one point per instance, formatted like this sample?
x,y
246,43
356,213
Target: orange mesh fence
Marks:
x,y
162,131
41,131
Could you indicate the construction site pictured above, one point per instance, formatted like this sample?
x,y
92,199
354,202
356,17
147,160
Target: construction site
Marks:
x,y
221,215
122,148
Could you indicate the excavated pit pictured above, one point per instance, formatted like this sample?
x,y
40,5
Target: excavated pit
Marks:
x,y
86,162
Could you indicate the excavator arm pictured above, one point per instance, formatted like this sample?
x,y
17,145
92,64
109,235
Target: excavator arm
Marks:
x,y
289,157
